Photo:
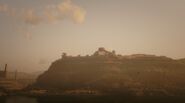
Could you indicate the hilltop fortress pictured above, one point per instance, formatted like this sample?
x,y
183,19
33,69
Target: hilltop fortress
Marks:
x,y
107,71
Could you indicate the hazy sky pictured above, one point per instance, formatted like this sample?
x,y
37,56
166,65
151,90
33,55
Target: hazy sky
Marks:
x,y
33,33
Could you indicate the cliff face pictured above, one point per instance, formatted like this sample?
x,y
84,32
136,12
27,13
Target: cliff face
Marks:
x,y
113,72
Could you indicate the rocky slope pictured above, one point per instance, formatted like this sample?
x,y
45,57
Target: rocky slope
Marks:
x,y
106,71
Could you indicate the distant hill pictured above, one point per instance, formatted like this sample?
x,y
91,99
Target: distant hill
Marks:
x,y
108,72
23,75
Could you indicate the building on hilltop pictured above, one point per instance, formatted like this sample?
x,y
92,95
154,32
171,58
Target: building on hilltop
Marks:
x,y
64,55
102,52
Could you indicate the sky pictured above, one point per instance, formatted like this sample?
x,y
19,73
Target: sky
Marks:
x,y
34,33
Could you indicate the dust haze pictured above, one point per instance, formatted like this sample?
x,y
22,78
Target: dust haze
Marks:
x,y
92,51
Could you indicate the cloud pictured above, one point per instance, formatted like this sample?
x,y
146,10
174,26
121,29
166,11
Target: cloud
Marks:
x,y
65,10
79,15
30,17
3,8
69,10
7,10
51,15
55,13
